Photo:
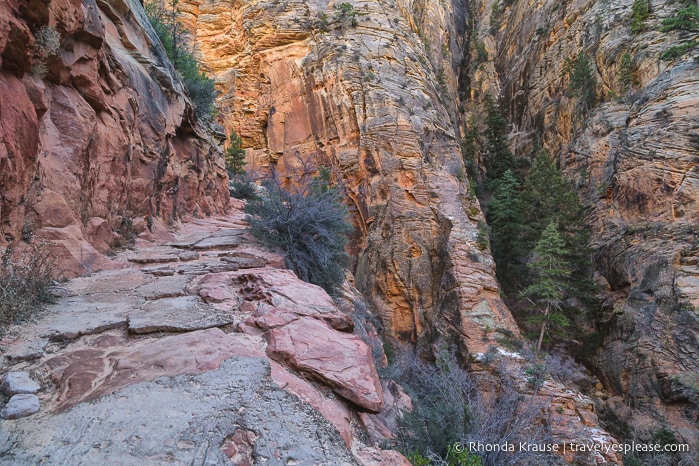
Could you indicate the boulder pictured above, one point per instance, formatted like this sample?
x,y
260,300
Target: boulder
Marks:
x,y
340,360
21,405
16,383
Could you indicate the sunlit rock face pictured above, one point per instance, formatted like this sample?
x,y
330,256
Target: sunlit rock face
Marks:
x,y
376,103
98,141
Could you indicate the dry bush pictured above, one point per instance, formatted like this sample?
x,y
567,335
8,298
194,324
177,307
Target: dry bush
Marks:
x,y
24,283
450,408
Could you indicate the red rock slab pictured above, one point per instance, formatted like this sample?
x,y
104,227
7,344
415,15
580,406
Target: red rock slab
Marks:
x,y
281,288
340,360
113,363
334,410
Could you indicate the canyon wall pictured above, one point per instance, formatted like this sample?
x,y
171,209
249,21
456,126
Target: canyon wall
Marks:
x,y
98,141
634,161
370,92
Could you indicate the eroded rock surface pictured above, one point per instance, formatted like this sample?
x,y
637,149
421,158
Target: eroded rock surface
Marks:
x,y
102,144
134,355
367,101
633,160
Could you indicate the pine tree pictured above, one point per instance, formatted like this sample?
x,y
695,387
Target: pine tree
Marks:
x,y
235,155
498,158
583,83
552,274
505,219
626,72
470,148
547,196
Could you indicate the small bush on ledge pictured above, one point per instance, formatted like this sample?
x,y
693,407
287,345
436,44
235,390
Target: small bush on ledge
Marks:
x,y
309,223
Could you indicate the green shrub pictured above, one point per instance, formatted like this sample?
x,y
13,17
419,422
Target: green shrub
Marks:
x,y
677,51
164,17
639,14
309,223
346,14
24,283
687,19
48,41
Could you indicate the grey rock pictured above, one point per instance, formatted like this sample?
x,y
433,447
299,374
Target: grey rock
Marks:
x,y
179,314
219,242
16,383
188,241
22,405
188,256
159,271
165,287
26,350
187,419
86,315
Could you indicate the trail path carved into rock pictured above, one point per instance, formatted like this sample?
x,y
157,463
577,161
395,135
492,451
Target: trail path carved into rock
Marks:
x,y
199,350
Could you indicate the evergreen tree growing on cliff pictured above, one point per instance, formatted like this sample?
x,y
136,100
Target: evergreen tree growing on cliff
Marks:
x,y
583,83
552,274
548,197
235,155
505,219
498,158
165,19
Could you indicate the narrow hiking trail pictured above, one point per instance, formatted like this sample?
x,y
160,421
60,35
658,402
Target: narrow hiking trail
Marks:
x,y
197,348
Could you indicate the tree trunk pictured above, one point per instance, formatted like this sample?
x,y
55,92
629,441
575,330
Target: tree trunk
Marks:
x,y
543,329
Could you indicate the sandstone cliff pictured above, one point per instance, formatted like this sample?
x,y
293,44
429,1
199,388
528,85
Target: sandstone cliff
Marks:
x,y
371,91
375,101
634,162
98,141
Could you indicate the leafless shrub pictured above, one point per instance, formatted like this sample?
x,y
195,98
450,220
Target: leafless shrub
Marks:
x,y
449,407
24,283
308,221
566,371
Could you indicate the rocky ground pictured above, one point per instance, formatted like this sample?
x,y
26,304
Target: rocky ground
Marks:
x,y
194,349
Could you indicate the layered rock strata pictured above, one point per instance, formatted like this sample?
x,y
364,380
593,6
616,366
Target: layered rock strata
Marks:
x,y
633,159
369,92
99,142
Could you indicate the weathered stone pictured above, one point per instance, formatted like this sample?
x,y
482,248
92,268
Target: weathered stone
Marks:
x,y
165,287
341,360
281,288
180,419
180,314
20,406
112,363
16,383
218,242
85,315
334,410
25,350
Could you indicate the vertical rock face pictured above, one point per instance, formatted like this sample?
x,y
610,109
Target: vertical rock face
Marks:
x,y
375,101
634,160
97,138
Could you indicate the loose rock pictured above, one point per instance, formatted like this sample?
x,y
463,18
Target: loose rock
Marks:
x,y
22,405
